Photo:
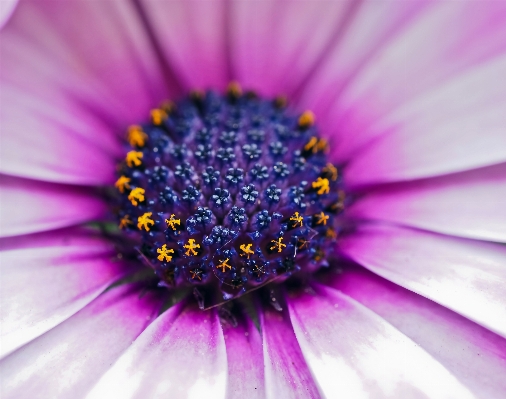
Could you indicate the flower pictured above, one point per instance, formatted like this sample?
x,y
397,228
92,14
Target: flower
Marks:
x,y
410,96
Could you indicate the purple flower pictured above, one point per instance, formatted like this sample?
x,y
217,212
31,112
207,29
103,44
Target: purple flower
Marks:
x,y
353,251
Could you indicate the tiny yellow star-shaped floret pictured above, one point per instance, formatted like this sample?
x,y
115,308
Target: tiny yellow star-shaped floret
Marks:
x,y
172,222
306,119
302,243
258,269
145,221
318,255
296,219
277,244
191,246
322,218
311,144
337,206
124,222
331,233
224,265
331,170
164,253
316,145
133,158
246,249
322,185
196,273
322,145
136,196
122,184
158,116
136,136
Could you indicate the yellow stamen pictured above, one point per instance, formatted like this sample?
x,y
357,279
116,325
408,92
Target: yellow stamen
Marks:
x,y
278,244
246,249
196,273
322,218
322,145
136,137
331,170
124,222
322,185
331,233
296,219
145,221
234,89
172,222
158,116
302,243
311,144
191,246
224,265
136,196
134,158
337,206
315,145
306,119
164,253
122,184
318,255
258,269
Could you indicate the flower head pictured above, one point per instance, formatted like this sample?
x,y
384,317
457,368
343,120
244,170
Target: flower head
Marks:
x,y
262,250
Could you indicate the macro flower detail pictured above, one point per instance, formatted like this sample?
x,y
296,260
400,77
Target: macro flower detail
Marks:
x,y
234,204
208,225
164,253
136,195
317,210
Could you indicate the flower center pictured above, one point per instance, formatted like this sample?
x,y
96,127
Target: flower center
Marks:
x,y
228,193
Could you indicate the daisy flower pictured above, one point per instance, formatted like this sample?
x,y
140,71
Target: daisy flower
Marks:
x,y
253,199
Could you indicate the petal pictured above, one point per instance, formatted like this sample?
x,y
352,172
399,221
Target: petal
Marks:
x,y
286,372
353,352
42,286
390,57
245,361
181,354
51,139
68,90
468,204
6,9
368,31
275,45
79,350
475,356
77,235
466,276
29,206
456,127
192,37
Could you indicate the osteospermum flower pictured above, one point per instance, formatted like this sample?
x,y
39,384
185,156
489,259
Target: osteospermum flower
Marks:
x,y
329,224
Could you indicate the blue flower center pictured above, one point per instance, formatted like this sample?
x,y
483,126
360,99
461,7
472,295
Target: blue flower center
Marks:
x,y
228,193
